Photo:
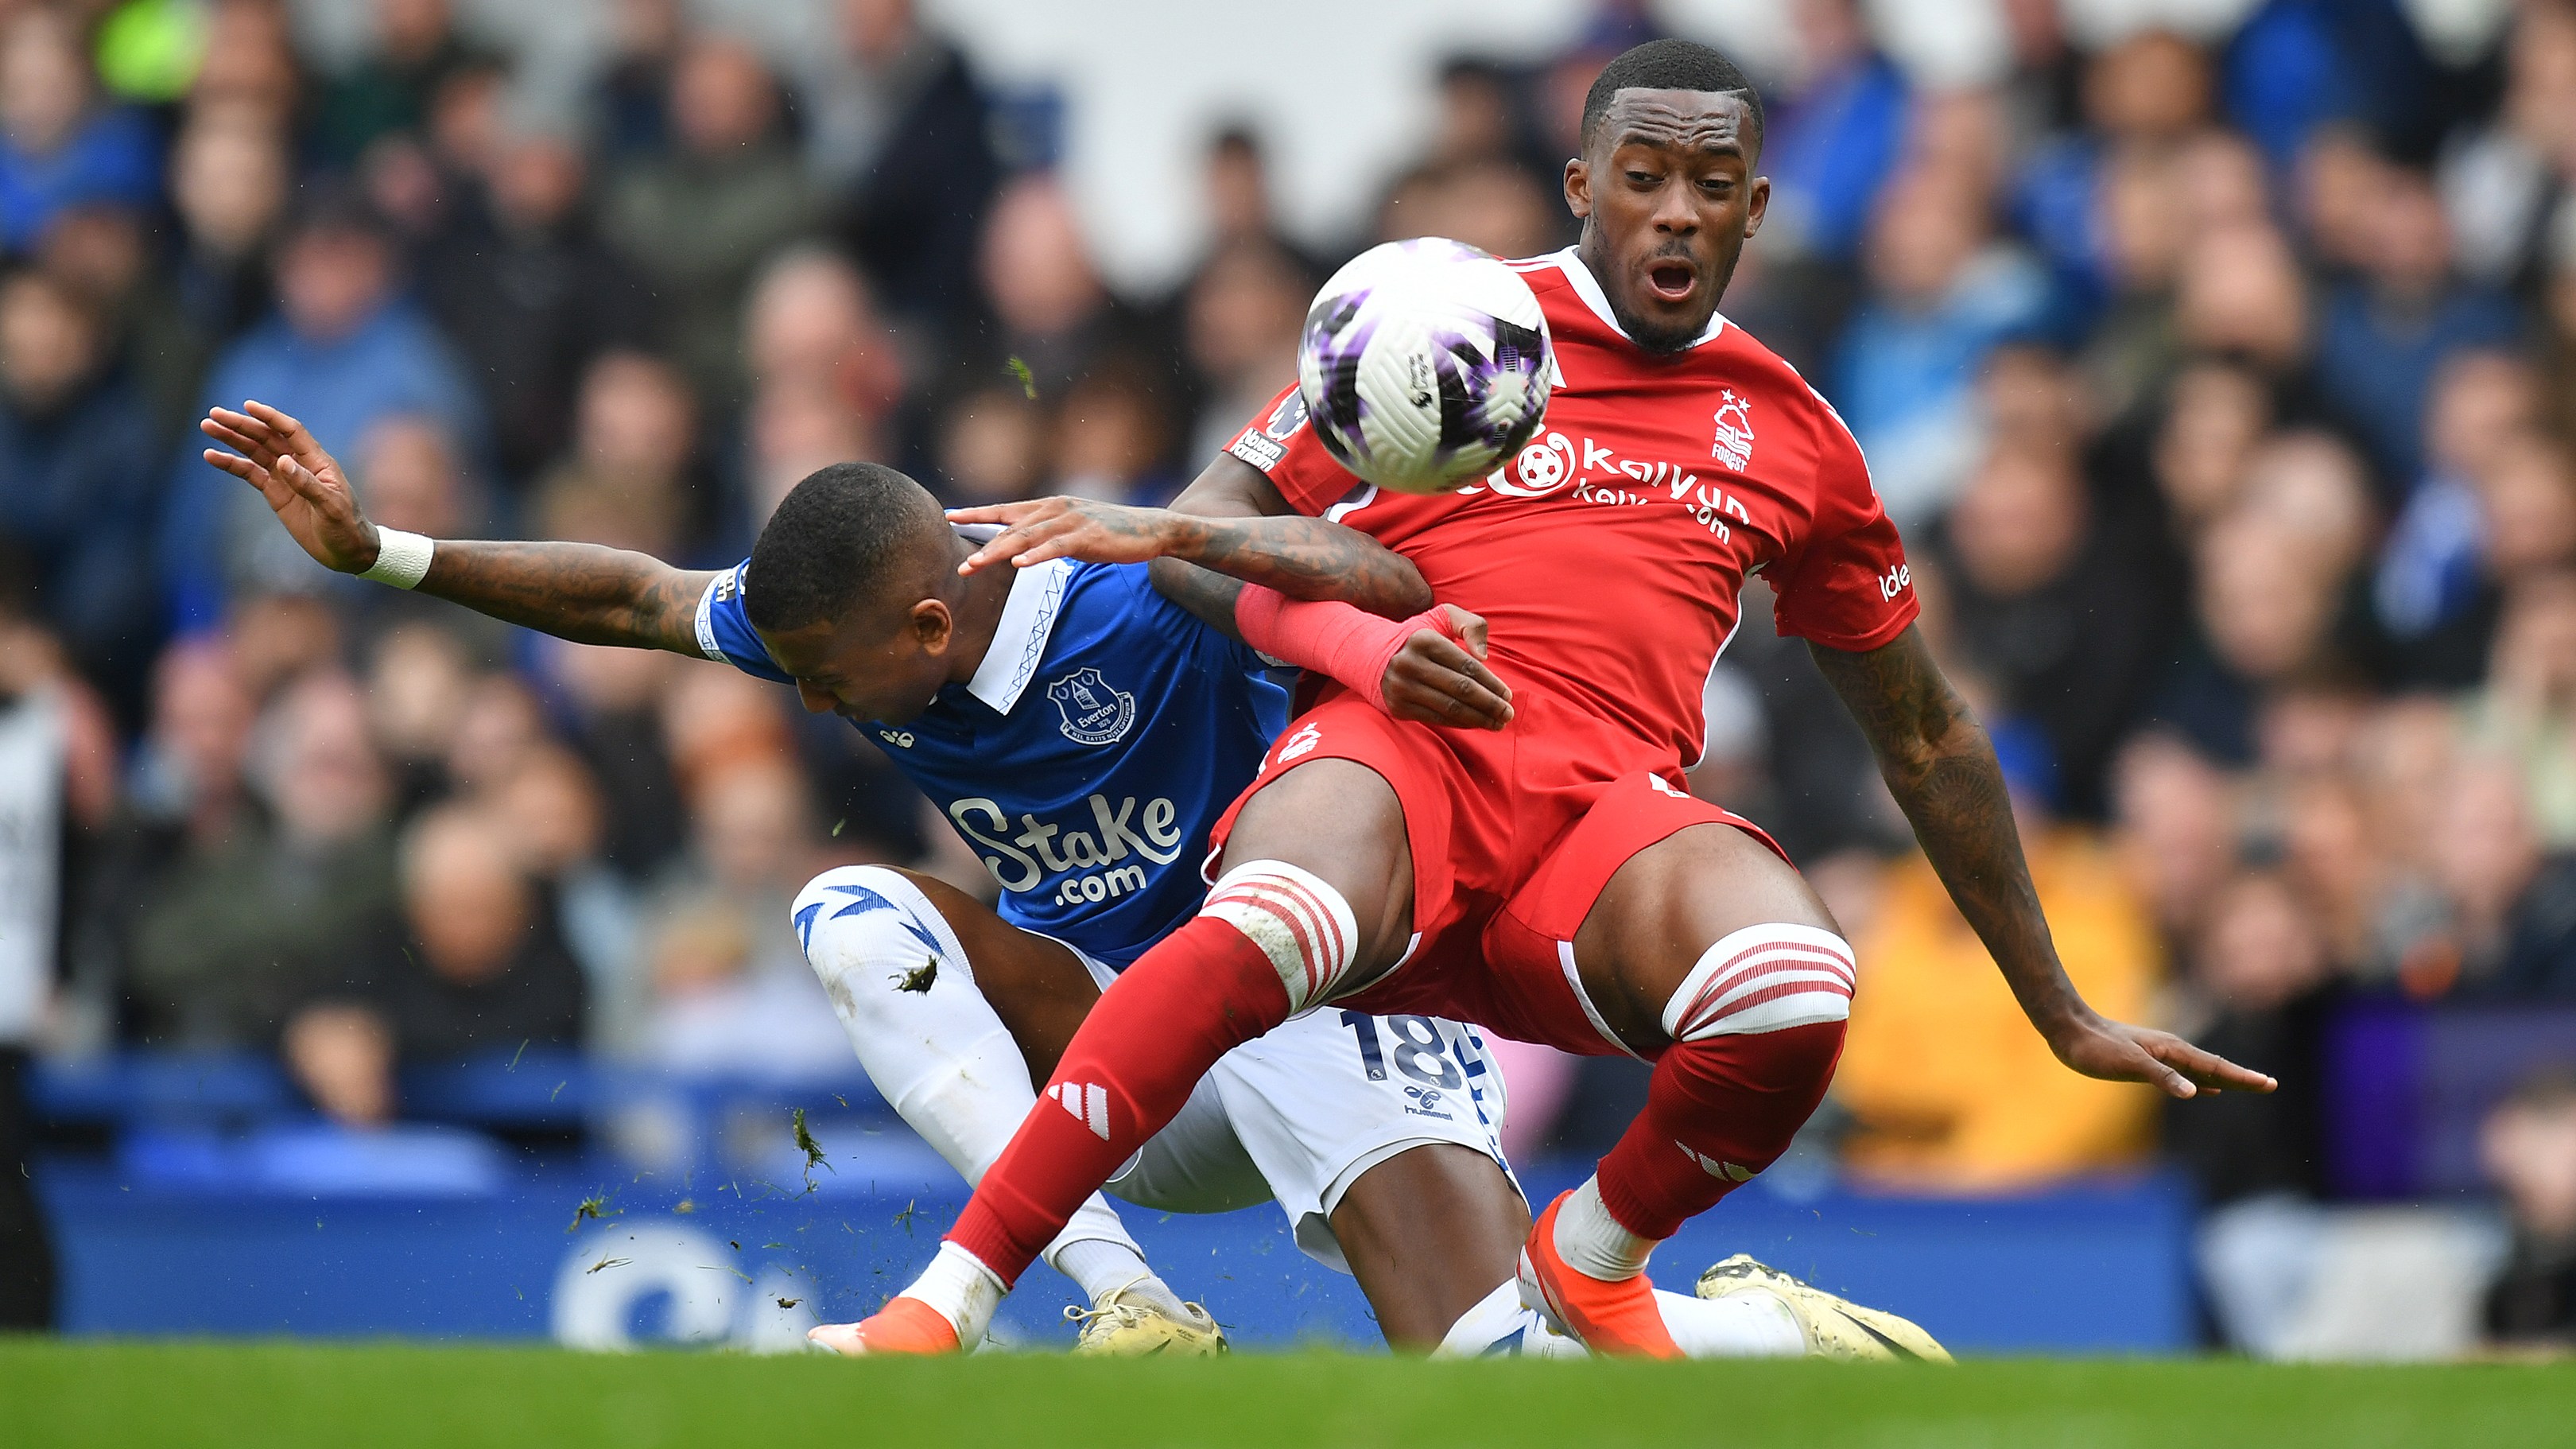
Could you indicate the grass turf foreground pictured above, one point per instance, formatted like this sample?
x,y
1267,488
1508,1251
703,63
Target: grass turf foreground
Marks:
x,y
279,1395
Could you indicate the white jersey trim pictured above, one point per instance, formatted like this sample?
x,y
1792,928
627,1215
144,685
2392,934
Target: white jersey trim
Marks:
x,y
1574,982
1588,287
1020,639
1366,495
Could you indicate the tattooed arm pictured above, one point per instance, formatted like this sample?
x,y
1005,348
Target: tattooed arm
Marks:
x,y
1211,596
575,591
1941,767
1230,521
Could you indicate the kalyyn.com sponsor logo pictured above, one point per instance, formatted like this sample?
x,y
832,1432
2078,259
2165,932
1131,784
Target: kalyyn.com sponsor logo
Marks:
x,y
1600,475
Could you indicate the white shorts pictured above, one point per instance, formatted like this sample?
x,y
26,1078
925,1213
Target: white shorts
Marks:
x,y
1298,1113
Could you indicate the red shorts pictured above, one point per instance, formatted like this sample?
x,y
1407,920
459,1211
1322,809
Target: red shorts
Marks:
x,y
1514,833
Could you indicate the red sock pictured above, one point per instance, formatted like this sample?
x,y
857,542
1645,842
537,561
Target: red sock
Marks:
x,y
1718,1110
1205,990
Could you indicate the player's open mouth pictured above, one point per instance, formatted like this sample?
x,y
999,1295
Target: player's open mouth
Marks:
x,y
1671,281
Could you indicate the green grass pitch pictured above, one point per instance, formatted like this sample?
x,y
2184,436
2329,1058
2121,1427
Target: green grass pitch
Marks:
x,y
279,1396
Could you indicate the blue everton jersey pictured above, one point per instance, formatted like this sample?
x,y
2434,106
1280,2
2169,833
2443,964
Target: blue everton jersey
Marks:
x,y
1102,736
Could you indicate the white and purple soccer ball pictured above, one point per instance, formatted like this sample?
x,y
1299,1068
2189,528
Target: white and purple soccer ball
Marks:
x,y
1424,365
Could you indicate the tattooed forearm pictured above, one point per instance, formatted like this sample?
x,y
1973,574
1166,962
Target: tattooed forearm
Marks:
x,y
1305,558
1941,767
575,591
1210,596
1232,521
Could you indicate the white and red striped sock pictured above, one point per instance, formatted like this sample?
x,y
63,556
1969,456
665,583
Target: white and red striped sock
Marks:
x,y
1763,978
1756,1025
1301,923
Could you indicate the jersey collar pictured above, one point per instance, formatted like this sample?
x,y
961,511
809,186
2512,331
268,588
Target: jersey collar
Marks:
x,y
1020,639
1588,287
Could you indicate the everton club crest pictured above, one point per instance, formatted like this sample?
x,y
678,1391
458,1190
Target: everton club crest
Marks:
x,y
1094,713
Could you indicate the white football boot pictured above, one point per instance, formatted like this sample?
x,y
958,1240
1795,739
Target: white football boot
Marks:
x,y
1118,1326
1834,1327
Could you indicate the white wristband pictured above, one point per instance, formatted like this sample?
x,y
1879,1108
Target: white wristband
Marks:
x,y
402,559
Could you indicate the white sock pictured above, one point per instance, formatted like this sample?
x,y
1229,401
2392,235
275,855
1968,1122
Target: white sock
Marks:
x,y
1591,1241
938,1053
1498,1324
1748,1325
963,1290
1103,1268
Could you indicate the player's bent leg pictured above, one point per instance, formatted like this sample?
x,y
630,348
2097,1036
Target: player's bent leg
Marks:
x,y
1428,1233
1660,912
1434,1236
1269,938
1194,1165
1708,952
1038,987
1380,1138
1340,821
1276,933
1719,1110
924,1011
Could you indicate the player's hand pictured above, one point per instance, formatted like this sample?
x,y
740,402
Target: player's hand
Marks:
x,y
303,484
1439,676
2118,1052
1050,528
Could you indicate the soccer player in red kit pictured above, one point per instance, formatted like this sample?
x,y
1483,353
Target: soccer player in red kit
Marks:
x,y
1552,878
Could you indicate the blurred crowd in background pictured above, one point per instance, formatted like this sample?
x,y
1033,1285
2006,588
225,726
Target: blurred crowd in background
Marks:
x,y
2223,379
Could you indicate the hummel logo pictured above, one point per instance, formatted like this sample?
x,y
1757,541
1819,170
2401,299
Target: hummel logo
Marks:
x,y
1086,1102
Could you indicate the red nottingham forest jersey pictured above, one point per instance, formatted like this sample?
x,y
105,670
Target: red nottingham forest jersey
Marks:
x,y
1608,556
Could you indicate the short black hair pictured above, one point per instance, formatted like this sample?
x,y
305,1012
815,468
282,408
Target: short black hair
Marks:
x,y
837,537
1669,65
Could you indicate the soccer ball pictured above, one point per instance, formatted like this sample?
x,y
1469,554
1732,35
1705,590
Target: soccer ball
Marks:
x,y
1424,365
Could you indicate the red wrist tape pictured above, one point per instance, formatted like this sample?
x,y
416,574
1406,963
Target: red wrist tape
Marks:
x,y
1335,639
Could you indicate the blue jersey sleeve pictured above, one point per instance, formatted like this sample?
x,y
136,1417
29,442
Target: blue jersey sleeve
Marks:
x,y
724,630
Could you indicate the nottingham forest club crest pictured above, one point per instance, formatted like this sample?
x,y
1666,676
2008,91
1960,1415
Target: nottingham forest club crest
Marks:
x,y
1094,713
1734,445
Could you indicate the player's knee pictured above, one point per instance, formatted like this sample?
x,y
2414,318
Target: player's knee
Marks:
x,y
866,929
1298,920
1762,979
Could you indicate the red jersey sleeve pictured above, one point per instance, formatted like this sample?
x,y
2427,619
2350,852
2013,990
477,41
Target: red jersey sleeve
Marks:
x,y
1846,584
1282,444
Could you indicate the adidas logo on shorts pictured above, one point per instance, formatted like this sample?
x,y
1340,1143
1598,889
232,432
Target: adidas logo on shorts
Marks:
x,y
1086,1102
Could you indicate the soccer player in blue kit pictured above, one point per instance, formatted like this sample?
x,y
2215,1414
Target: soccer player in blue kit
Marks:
x,y
1081,731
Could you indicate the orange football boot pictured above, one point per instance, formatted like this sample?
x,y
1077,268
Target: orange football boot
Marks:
x,y
904,1325
1610,1318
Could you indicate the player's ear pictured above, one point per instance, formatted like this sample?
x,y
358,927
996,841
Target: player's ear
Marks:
x,y
1757,204
933,627
1578,187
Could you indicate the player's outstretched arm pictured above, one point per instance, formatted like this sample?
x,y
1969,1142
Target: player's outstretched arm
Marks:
x,y
576,591
1230,521
1941,767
